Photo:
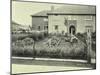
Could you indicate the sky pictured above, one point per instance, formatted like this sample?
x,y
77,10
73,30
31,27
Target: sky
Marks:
x,y
22,11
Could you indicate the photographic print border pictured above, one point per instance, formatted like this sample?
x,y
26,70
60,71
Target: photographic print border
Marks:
x,y
11,37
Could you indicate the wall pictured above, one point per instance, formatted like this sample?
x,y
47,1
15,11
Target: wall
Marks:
x,y
56,20
82,21
39,21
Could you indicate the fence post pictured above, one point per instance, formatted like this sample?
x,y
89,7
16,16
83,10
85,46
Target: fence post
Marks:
x,y
34,50
89,43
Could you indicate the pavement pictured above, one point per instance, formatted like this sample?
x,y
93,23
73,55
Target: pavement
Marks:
x,y
31,65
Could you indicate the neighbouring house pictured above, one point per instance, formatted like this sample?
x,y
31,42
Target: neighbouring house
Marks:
x,y
69,19
16,28
40,21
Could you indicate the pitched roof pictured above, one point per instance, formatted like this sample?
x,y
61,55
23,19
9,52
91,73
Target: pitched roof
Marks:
x,y
41,13
14,23
75,9
18,26
69,9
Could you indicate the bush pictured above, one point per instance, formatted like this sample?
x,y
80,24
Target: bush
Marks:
x,y
28,41
38,35
64,49
34,35
82,37
18,36
23,47
94,41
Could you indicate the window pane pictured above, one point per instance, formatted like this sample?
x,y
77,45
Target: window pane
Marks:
x,y
45,27
56,27
38,27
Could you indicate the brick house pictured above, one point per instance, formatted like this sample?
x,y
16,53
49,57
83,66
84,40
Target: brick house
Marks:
x,y
40,21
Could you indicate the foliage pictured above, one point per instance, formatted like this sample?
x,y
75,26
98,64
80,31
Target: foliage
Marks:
x,y
82,37
94,41
34,35
18,36
43,47
23,47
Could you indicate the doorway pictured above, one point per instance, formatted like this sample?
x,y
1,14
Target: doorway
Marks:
x,y
72,30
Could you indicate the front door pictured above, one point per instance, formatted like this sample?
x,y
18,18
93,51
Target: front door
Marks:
x,y
72,30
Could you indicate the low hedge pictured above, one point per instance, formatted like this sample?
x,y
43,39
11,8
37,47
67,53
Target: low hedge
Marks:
x,y
65,49
34,35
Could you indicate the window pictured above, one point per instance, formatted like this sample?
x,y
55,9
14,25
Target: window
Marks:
x,y
38,27
45,27
45,19
88,30
69,17
88,17
56,27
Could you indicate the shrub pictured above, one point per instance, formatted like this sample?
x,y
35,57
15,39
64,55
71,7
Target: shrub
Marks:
x,y
23,47
62,50
66,34
41,36
18,36
28,41
82,37
45,34
94,41
38,35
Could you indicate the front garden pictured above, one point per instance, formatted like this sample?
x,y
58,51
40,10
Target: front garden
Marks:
x,y
49,46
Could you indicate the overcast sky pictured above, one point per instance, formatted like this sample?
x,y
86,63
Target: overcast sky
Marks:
x,y
22,11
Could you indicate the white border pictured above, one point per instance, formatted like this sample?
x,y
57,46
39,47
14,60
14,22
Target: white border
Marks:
x,y
5,37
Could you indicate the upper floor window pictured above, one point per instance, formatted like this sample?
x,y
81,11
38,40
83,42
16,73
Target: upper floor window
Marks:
x,y
45,19
45,27
88,17
69,17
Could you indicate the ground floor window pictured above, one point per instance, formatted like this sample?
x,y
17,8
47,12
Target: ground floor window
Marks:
x,y
45,27
56,27
38,27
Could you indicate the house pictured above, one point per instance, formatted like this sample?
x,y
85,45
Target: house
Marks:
x,y
69,19
17,28
40,21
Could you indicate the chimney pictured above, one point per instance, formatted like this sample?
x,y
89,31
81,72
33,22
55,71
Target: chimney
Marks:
x,y
52,8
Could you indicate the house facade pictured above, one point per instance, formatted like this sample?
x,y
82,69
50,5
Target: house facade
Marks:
x,y
18,28
70,23
69,19
40,21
